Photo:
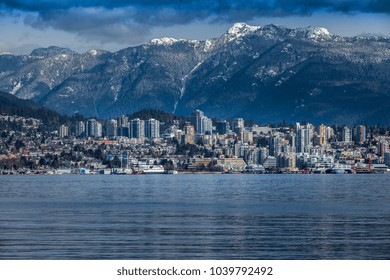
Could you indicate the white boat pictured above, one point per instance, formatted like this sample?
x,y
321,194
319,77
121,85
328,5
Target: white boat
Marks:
x,y
122,171
341,169
152,169
338,171
255,168
320,170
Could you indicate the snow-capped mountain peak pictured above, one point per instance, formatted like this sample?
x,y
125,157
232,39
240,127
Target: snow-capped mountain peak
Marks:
x,y
316,33
93,52
164,41
240,29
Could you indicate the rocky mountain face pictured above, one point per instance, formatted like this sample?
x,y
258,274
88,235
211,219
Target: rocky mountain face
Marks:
x,y
267,73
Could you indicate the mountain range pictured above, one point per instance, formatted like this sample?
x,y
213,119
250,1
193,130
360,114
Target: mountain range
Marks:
x,y
267,73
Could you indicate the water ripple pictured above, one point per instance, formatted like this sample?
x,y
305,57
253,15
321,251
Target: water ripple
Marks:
x,y
195,217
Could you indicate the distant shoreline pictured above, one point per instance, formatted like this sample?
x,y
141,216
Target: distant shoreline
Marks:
x,y
189,173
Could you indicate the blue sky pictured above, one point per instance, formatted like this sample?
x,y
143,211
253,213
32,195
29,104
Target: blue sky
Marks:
x,y
115,24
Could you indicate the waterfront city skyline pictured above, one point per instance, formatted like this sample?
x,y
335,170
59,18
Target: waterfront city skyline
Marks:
x,y
114,25
200,144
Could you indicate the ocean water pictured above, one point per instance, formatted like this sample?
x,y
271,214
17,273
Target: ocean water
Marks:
x,y
195,217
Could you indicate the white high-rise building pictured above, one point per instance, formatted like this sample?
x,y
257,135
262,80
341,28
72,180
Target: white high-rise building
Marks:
x,y
309,136
275,146
123,121
263,155
63,131
304,137
346,136
196,121
152,128
137,129
300,135
99,130
329,133
201,123
207,125
93,128
238,124
80,129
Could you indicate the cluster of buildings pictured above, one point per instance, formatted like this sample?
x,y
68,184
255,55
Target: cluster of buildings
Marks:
x,y
204,144
120,127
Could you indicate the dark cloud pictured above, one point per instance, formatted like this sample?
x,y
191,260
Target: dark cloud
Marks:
x,y
120,19
217,7
97,24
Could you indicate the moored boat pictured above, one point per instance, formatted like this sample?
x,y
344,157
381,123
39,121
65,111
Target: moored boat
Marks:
x,y
152,169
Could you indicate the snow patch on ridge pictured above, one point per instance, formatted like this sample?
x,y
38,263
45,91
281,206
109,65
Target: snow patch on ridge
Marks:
x,y
17,86
208,45
167,41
